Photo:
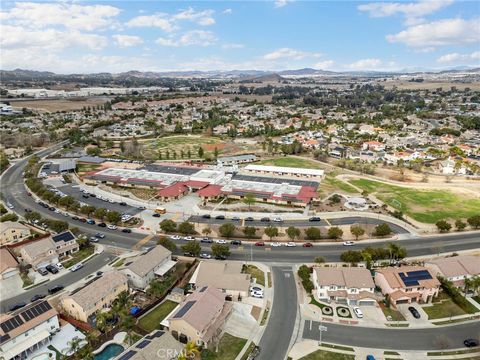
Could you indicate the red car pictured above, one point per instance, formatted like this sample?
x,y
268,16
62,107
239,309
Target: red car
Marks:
x,y
260,243
307,245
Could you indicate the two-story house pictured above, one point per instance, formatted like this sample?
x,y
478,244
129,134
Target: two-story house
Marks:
x,y
346,285
65,244
11,232
39,253
407,284
455,268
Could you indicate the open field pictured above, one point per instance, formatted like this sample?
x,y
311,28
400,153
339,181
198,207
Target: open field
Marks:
x,y
292,162
60,104
426,206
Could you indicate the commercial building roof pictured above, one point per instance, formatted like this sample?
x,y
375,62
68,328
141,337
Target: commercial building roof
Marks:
x,y
285,170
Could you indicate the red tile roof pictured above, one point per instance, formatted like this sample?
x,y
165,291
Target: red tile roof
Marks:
x,y
173,190
210,191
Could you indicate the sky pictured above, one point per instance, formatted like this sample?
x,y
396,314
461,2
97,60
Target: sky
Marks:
x,y
116,36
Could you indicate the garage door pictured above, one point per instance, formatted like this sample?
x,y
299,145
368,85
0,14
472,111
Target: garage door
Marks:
x,y
402,301
366,302
9,274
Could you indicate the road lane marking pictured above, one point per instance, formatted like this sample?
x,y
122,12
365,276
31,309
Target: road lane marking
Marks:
x,y
328,222
142,242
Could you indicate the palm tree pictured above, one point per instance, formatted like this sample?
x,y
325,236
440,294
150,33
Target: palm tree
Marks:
x,y
191,352
73,346
468,283
393,249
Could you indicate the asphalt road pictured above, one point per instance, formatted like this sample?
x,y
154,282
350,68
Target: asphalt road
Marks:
x,y
69,278
437,338
276,338
302,223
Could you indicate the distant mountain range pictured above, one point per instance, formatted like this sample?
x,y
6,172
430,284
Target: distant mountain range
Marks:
x,y
32,75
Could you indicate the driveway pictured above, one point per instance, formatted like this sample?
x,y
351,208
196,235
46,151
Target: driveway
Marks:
x,y
241,323
422,322
371,315
11,286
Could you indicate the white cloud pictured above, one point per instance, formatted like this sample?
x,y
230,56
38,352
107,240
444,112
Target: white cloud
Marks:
x,y
227,11
413,11
203,18
124,41
439,33
456,57
190,38
70,16
233,46
365,64
158,20
324,64
281,3
170,22
288,53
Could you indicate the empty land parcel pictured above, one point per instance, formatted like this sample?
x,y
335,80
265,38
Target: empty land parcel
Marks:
x,y
426,206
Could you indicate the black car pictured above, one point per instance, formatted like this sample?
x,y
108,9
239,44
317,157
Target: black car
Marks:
x,y
265,219
123,203
55,289
206,216
51,269
249,218
206,240
99,273
220,217
188,254
414,312
74,217
85,196
93,195
220,257
28,210
470,342
37,297
51,208
156,215
314,218
236,242
102,224
17,306
128,231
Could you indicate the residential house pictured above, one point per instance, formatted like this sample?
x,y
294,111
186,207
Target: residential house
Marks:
x,y
201,317
346,285
156,345
26,330
39,253
155,263
407,284
11,232
373,145
8,264
98,294
455,268
65,244
224,275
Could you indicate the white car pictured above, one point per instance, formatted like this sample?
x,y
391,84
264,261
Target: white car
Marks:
x,y
57,211
59,266
175,237
256,294
358,312
220,241
112,227
76,267
348,243
290,244
205,256
275,244
65,214
9,205
188,238
111,201
278,219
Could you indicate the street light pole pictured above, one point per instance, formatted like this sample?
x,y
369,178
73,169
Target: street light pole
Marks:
x,y
321,329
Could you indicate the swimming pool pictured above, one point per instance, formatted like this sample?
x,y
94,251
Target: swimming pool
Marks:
x,y
109,352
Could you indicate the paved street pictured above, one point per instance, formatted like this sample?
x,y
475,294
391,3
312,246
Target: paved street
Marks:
x,y
449,337
276,339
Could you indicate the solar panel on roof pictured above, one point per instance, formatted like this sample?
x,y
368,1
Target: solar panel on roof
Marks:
x,y
188,305
127,355
143,344
12,323
66,236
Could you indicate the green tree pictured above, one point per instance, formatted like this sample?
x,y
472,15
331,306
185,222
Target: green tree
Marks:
x,y
220,250
313,233
168,225
460,225
382,230
167,243
351,256
206,231
357,231
249,200
31,216
227,230
249,231
271,232
186,228
9,217
215,152
192,247
335,232
443,226
474,221
100,213
200,152
293,233
114,217
320,260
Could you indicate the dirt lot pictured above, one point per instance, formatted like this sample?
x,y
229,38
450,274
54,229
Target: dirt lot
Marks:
x,y
59,105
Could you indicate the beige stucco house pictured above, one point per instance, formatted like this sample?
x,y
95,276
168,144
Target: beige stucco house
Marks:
x,y
455,268
39,253
12,232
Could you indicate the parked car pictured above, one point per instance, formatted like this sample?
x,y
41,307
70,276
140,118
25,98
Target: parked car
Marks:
x,y
249,218
275,244
55,289
156,215
188,238
90,222
100,235
52,269
470,342
236,242
307,244
93,239
127,230
59,266
17,306
9,205
175,237
265,219
205,256
220,257
358,312
290,244
74,217
142,208
37,297
122,203
42,271
112,227
314,218
51,208
28,210
220,217
348,243
102,224
220,241
277,219
414,312
206,240
256,288
206,216
235,218
256,294
76,267
259,243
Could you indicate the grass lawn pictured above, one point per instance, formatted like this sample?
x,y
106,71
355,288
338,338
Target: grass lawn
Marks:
x,y
330,185
327,355
255,273
79,256
396,315
119,263
292,162
445,309
83,168
426,206
343,312
151,321
26,280
228,348
322,306
477,299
